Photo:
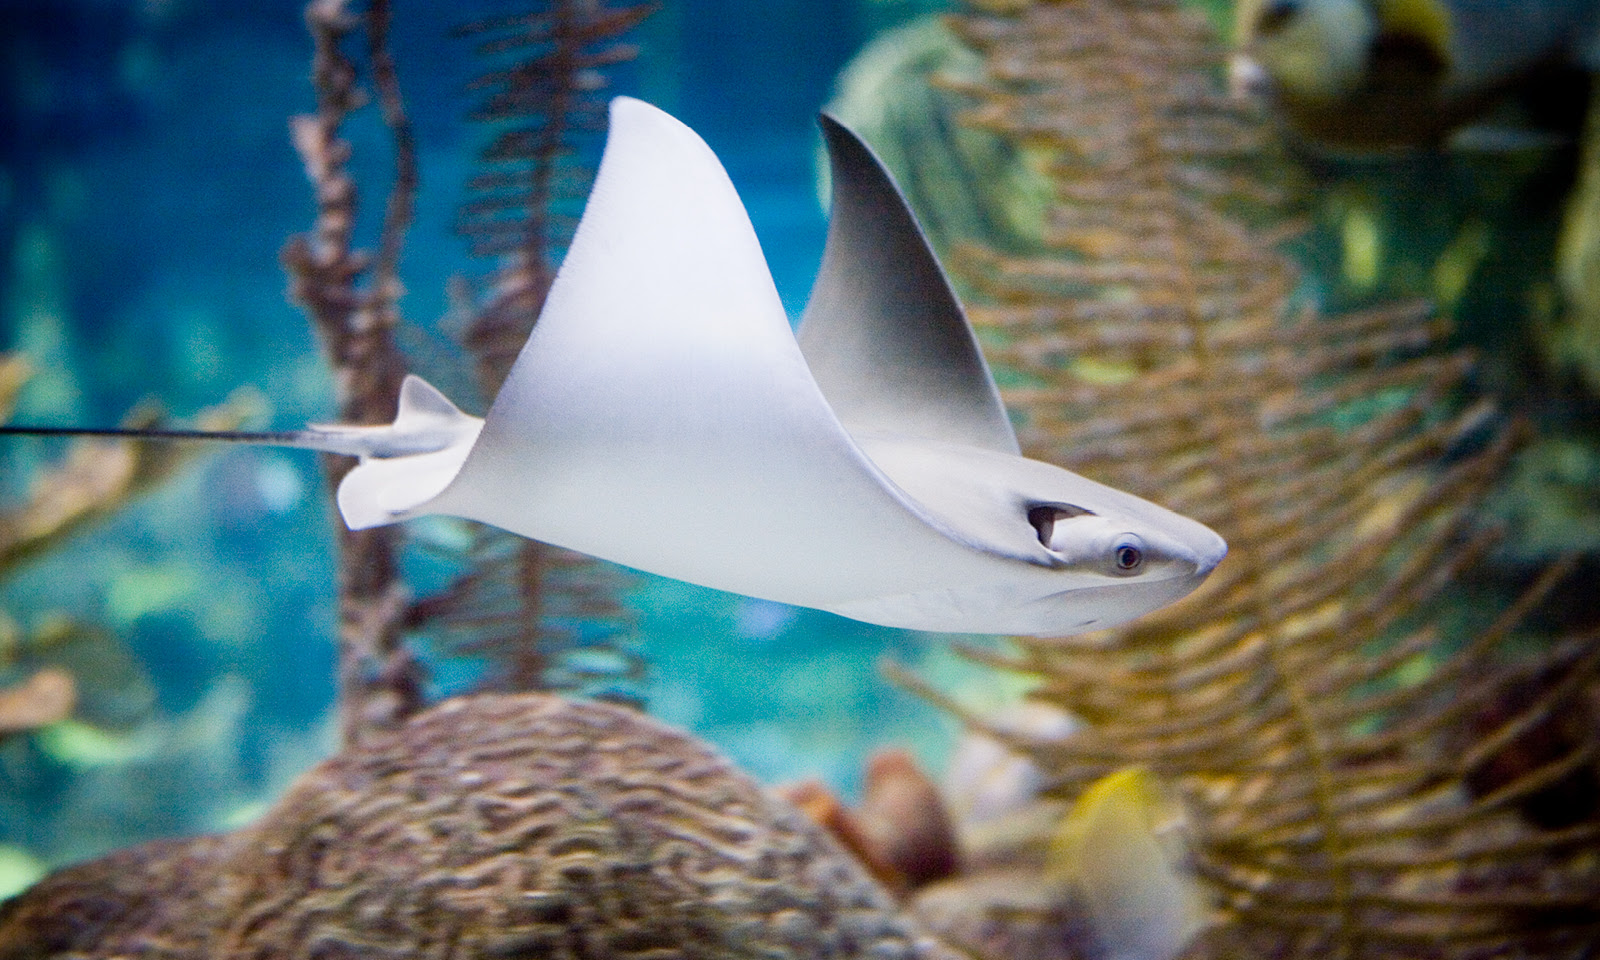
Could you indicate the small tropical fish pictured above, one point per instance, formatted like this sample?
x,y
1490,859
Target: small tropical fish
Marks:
x,y
664,416
1386,73
1119,850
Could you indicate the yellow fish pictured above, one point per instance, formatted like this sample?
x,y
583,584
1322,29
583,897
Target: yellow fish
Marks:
x,y
1120,850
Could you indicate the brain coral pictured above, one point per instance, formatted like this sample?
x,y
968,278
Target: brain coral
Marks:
x,y
517,825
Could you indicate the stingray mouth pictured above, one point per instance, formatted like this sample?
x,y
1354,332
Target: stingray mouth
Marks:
x,y
1113,602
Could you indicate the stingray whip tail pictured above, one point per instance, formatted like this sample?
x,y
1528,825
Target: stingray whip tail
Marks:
x,y
426,422
286,438
345,440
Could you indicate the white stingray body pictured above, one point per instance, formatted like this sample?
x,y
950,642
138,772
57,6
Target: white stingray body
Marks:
x,y
663,416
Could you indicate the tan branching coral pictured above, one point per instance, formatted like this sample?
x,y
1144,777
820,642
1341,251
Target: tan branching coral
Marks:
x,y
1310,698
543,618
350,296
48,695
494,825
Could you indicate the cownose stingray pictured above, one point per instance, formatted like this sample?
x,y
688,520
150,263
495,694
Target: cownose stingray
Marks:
x,y
663,415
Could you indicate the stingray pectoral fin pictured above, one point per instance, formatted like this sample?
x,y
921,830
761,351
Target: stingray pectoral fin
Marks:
x,y
884,332
661,414
406,464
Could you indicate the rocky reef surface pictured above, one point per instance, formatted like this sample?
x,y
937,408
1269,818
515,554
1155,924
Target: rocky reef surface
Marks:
x,y
517,825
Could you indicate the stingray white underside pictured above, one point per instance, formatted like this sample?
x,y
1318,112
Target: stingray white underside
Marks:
x,y
662,416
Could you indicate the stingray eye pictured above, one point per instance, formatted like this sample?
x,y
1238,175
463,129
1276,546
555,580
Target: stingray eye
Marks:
x,y
1128,555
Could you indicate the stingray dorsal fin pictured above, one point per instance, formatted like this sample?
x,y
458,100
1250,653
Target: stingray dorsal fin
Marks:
x,y
884,333
422,401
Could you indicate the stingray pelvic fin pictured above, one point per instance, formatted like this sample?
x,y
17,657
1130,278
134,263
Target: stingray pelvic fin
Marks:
x,y
404,464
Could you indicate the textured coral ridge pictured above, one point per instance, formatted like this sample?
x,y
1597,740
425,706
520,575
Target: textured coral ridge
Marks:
x,y
516,825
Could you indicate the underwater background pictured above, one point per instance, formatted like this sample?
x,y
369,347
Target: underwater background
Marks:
x,y
146,185
149,185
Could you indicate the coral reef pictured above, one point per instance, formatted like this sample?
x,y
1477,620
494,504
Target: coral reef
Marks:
x,y
1311,700
1008,915
902,812
79,723
1368,768
380,681
491,825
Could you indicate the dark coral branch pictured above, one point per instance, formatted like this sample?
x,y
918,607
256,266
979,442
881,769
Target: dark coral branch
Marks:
x,y
401,203
552,105
536,613
379,682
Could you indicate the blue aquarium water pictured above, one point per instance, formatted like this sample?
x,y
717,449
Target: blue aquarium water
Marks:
x,y
146,186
